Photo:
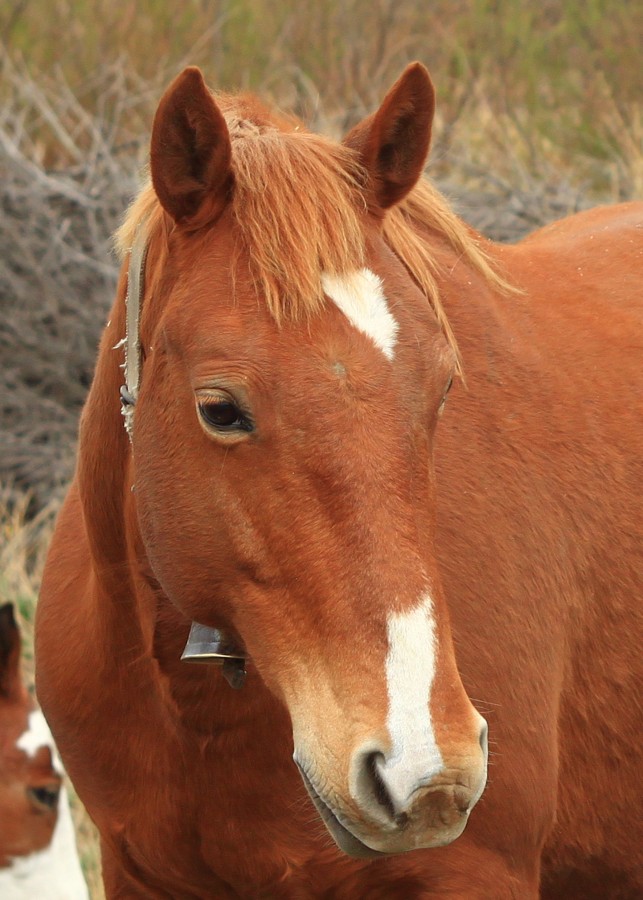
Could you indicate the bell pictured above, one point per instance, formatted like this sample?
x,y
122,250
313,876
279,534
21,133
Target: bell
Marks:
x,y
214,646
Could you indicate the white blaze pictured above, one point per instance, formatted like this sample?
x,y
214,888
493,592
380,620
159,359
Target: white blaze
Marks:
x,y
53,873
415,757
38,735
360,296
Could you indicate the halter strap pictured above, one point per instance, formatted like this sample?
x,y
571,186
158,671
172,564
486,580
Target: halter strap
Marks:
x,y
204,644
132,342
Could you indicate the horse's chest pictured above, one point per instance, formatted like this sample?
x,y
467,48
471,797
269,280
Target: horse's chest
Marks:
x,y
241,831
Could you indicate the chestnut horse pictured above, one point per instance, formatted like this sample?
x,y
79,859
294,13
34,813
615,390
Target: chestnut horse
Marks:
x,y
289,308
38,858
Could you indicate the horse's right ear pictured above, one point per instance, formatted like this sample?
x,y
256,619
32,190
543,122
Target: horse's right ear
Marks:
x,y
9,652
393,143
190,152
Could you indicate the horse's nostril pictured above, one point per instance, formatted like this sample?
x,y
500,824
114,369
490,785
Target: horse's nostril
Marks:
x,y
380,792
401,820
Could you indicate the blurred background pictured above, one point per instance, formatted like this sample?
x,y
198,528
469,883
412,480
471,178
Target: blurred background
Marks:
x,y
539,115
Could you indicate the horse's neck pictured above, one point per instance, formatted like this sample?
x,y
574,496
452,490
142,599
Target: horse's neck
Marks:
x,y
104,457
103,448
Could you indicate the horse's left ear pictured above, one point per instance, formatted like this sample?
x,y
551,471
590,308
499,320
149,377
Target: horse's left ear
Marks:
x,y
190,151
9,653
393,143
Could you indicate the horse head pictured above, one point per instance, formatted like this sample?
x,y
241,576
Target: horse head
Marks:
x,y
293,376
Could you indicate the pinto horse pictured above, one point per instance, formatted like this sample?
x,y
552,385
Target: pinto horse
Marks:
x,y
38,858
293,313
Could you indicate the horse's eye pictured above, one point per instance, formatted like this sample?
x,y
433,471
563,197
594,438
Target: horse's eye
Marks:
x,y
44,797
223,415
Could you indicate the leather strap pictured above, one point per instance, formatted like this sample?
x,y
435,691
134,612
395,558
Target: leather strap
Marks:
x,y
132,343
204,644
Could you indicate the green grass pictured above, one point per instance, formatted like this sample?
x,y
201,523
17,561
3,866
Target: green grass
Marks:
x,y
569,71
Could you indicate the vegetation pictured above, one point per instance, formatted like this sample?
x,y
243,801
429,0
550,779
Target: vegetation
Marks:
x,y
539,114
562,77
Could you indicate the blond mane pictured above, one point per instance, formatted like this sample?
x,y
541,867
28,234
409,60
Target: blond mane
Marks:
x,y
426,209
298,205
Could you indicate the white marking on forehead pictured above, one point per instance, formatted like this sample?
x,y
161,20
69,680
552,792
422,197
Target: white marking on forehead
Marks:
x,y
38,735
360,296
410,669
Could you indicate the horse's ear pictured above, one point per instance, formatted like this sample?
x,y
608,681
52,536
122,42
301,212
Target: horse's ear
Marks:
x,y
190,151
393,143
9,652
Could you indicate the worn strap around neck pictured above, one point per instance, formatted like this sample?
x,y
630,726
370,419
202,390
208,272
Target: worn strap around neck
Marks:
x,y
132,342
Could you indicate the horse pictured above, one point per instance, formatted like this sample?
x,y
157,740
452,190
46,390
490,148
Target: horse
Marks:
x,y
380,577
38,856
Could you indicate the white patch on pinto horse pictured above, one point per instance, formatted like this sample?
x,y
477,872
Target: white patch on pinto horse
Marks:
x,y
415,758
38,735
53,873
360,296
